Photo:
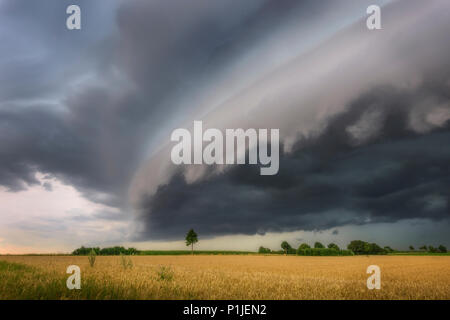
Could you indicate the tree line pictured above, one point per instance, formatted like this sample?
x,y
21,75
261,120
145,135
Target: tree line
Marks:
x,y
111,251
191,238
355,247
424,248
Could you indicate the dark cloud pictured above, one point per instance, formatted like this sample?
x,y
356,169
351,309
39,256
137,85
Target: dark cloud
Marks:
x,y
326,181
94,134
97,136
39,55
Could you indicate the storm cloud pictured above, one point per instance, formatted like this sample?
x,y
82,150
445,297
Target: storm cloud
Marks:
x,y
363,115
364,130
326,181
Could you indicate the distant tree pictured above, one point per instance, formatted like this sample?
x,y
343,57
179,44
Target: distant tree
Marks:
x,y
263,250
357,246
388,249
362,247
318,245
286,247
132,251
432,249
111,251
411,248
333,246
304,246
191,239
375,249
423,248
442,249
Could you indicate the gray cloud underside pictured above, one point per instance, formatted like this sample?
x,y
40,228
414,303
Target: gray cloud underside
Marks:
x,y
324,182
93,133
380,153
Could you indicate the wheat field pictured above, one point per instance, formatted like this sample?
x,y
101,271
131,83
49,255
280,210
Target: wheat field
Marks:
x,y
225,277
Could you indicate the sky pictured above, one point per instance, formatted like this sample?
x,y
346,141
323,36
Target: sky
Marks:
x,y
86,117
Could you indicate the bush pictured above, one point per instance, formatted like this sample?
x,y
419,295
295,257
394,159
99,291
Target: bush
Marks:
x,y
304,252
263,250
329,252
347,253
83,251
442,249
323,252
112,251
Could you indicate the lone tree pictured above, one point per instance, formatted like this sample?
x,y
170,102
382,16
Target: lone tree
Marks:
x,y
411,248
191,238
285,246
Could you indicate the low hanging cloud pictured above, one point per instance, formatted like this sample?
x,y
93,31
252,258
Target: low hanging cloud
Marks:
x,y
324,182
364,124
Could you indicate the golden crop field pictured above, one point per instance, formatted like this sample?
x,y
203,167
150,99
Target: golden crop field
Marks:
x,y
226,277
